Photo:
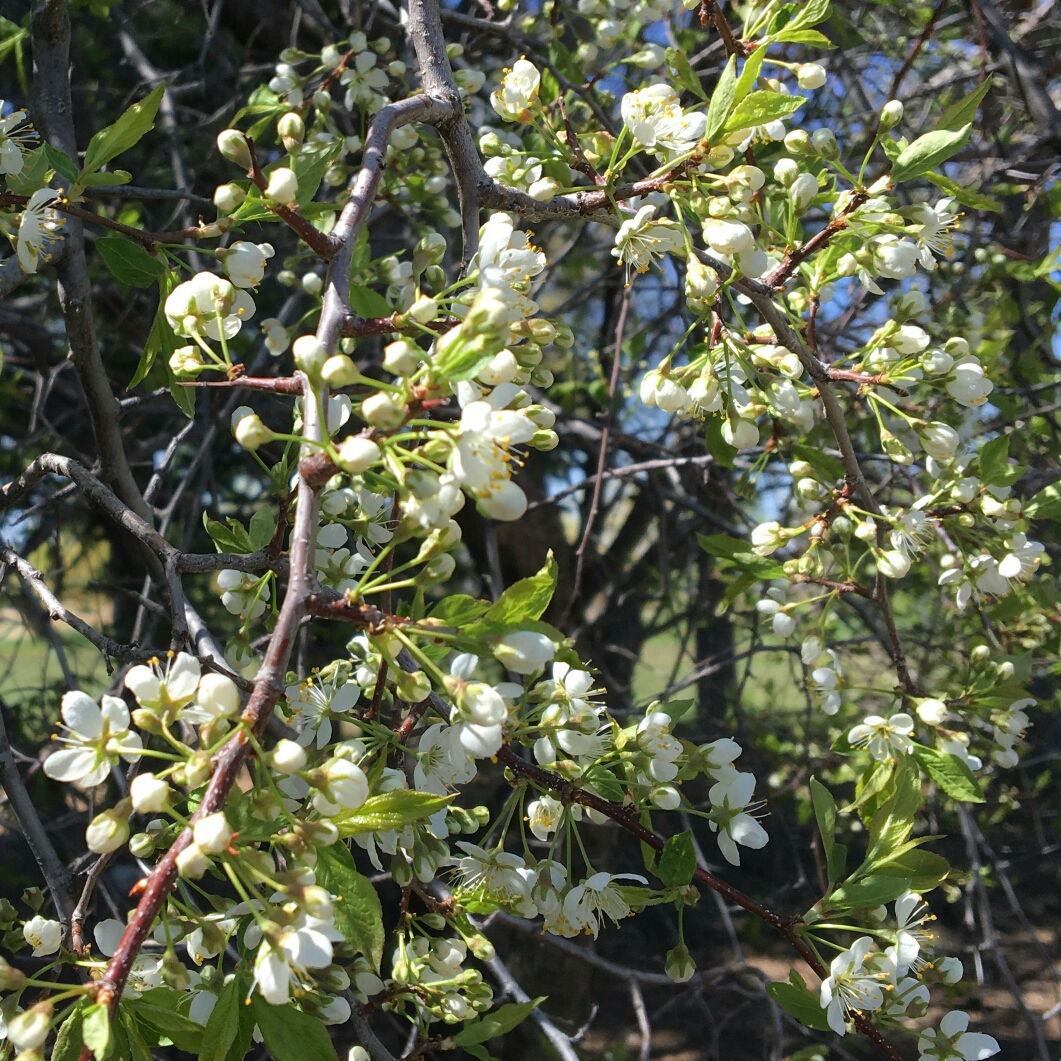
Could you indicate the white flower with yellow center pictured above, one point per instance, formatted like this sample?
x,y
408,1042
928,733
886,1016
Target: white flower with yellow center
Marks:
x,y
641,240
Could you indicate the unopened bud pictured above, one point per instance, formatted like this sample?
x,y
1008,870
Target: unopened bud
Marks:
x,y
233,145
292,131
891,114
339,371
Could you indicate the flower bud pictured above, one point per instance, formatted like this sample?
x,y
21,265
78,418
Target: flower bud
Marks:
x,y
197,770
382,411
228,198
680,965
29,1030
1005,671
424,310
218,694
212,833
932,712
824,141
401,357
413,687
309,355
356,454
798,142
431,249
810,75
141,845
233,145
980,654
950,970
283,186
192,863
786,171
288,757
252,433
893,563
804,189
186,362
292,131
109,831
437,570
545,441
10,977
891,114
339,371
149,794
312,284
545,189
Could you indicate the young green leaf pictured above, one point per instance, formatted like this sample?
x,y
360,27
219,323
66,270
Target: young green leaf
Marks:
x,y
291,1035
392,810
223,1023
683,72
128,262
185,1033
61,162
358,914
68,1041
927,152
825,815
798,1002
950,773
124,133
965,196
722,100
459,609
758,108
964,111
262,526
528,598
677,860
995,469
867,893
1046,504
500,1022
752,66
96,1030
368,303
134,123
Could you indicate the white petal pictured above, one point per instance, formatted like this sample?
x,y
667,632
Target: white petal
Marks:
x,y
70,764
82,714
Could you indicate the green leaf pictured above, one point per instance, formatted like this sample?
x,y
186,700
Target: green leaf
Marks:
x,y
106,180
965,196
964,111
735,589
68,1041
290,1034
499,1022
805,36
368,303
96,1030
61,162
752,68
262,528
798,1002
677,860
872,782
1046,504
458,609
867,893
836,866
810,14
927,152
722,100
995,469
528,598
739,552
124,133
950,773
138,1048
231,539
891,824
35,166
310,167
924,869
824,815
128,262
683,72
223,1025
758,108
185,1033
392,810
821,462
161,339
358,914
